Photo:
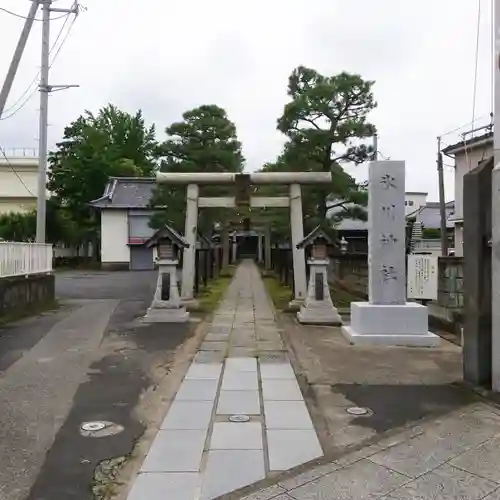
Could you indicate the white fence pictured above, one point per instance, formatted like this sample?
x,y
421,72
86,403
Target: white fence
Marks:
x,y
21,259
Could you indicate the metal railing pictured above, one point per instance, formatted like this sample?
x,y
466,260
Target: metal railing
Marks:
x,y
20,152
21,259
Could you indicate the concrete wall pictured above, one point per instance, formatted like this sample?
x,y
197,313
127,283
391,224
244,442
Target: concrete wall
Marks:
x,y
451,283
115,252
17,196
17,205
11,186
459,239
351,273
464,163
18,293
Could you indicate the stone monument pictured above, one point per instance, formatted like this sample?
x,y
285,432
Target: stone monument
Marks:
x,y
387,319
167,306
318,308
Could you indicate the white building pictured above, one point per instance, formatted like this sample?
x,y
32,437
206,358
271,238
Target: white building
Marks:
x,y
414,200
18,181
125,216
467,155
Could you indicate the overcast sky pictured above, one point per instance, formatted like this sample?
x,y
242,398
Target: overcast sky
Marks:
x,y
168,56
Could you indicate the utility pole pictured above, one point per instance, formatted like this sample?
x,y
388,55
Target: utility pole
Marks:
x,y
43,125
45,89
375,148
442,201
18,53
495,213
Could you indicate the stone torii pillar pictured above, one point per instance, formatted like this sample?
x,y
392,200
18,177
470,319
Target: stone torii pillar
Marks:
x,y
190,234
299,257
260,247
267,247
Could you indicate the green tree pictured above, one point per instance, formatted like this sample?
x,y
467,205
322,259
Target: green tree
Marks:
x,y
348,205
61,228
95,147
18,226
432,233
325,122
204,141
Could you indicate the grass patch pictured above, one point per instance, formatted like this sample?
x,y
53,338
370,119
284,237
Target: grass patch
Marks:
x,y
228,271
210,297
33,310
280,294
343,298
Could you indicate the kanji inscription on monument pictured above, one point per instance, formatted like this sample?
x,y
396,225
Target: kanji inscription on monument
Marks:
x,y
386,236
387,319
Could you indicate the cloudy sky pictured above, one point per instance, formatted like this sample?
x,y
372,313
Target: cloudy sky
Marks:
x,y
165,57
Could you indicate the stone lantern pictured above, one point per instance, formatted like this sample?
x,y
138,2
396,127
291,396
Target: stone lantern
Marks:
x,y
166,306
318,307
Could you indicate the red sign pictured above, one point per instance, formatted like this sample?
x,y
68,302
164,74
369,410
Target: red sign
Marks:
x,y
137,240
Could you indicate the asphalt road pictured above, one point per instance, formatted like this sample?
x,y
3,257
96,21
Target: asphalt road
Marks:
x,y
122,285
90,360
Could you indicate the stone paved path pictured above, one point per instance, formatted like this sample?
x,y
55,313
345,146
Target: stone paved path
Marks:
x,y
241,368
453,457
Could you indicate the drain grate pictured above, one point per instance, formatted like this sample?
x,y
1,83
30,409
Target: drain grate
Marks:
x,y
99,428
239,418
358,411
93,426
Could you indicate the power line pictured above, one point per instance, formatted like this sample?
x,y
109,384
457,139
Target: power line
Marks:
x,y
35,79
476,62
32,93
62,42
492,58
15,172
464,125
20,16
383,156
28,99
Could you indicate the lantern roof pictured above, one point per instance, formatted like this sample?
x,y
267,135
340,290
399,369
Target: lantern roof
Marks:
x,y
316,234
167,233
203,240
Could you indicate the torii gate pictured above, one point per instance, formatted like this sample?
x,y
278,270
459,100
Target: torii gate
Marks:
x,y
243,183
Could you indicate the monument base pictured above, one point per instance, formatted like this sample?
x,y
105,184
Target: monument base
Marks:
x,y
166,315
189,303
295,304
390,325
319,313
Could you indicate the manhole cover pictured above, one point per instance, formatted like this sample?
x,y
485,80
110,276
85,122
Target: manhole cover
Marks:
x,y
356,410
99,429
93,426
239,418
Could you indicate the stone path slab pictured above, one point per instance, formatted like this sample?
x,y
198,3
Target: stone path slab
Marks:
x,y
452,457
241,369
